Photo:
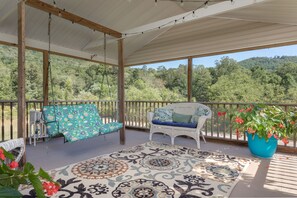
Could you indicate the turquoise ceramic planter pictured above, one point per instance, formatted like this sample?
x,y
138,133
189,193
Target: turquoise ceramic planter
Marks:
x,y
259,147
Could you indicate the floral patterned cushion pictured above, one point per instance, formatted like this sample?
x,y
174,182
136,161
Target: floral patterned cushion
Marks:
x,y
163,114
110,127
75,122
200,111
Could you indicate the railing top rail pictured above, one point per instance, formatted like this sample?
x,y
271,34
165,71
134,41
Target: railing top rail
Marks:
x,y
147,101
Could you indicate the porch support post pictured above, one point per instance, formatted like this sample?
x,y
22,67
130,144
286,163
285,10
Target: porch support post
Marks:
x,y
45,78
190,69
21,73
121,91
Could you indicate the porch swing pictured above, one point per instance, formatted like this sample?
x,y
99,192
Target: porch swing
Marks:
x,y
76,121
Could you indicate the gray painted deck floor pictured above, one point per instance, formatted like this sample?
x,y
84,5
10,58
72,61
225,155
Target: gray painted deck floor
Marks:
x,y
263,178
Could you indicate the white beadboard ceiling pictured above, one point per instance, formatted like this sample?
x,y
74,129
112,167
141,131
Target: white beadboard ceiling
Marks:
x,y
259,23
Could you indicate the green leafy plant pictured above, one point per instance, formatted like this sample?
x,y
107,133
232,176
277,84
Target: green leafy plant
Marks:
x,y
11,178
266,121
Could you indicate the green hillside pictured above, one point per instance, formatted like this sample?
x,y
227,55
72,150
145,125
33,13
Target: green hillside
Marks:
x,y
257,79
268,63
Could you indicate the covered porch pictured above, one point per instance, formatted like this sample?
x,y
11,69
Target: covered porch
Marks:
x,y
223,27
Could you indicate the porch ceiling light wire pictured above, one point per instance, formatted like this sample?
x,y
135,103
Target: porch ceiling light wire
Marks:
x,y
170,22
204,4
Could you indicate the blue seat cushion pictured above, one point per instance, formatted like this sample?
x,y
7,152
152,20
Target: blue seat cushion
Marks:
x,y
177,124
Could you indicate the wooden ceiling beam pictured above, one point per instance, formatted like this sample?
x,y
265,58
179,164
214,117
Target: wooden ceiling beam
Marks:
x,y
72,17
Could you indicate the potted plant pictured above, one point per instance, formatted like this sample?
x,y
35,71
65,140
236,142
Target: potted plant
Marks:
x,y
11,178
264,126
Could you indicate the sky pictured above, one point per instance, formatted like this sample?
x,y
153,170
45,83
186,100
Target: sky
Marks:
x,y
239,56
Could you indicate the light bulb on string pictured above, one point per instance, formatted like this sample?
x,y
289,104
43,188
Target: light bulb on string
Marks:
x,y
182,2
54,2
60,14
156,2
206,5
193,13
232,2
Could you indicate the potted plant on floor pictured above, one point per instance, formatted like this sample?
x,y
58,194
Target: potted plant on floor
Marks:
x,y
264,126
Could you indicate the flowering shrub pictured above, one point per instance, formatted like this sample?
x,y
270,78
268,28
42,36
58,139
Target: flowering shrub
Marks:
x,y
11,178
266,121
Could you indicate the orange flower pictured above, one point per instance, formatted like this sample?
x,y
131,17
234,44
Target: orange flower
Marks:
x,y
292,122
269,134
281,126
250,130
241,110
273,128
285,140
13,165
239,120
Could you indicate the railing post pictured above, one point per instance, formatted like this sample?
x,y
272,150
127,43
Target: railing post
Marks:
x,y
121,91
21,72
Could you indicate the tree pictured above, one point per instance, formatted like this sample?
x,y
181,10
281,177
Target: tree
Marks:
x,y
236,86
202,80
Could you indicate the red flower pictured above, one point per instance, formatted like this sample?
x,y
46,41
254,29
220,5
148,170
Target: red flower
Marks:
x,y
281,126
1,151
241,110
50,188
13,164
269,135
221,113
285,140
239,120
248,109
292,122
275,136
250,130
2,156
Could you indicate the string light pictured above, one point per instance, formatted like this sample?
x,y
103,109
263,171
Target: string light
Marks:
x,y
175,21
60,14
232,2
182,2
206,4
54,2
156,2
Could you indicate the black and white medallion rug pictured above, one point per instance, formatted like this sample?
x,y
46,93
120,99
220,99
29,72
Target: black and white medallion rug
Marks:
x,y
150,170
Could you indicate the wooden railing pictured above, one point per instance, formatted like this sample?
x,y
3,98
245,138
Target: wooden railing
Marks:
x,y
219,127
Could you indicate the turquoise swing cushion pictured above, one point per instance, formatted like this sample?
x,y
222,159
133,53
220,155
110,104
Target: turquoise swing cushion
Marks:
x,y
76,122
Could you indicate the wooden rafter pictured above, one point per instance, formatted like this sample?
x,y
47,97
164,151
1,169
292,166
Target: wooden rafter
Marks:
x,y
72,17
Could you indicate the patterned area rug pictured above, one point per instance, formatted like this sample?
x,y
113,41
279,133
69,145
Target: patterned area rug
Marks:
x,y
150,170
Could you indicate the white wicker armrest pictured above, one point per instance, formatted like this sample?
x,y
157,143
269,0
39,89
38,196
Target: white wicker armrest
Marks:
x,y
13,144
150,116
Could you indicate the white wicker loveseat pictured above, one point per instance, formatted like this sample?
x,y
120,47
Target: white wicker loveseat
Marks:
x,y
174,131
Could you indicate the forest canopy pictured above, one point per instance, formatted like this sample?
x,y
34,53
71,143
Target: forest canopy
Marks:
x,y
258,79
